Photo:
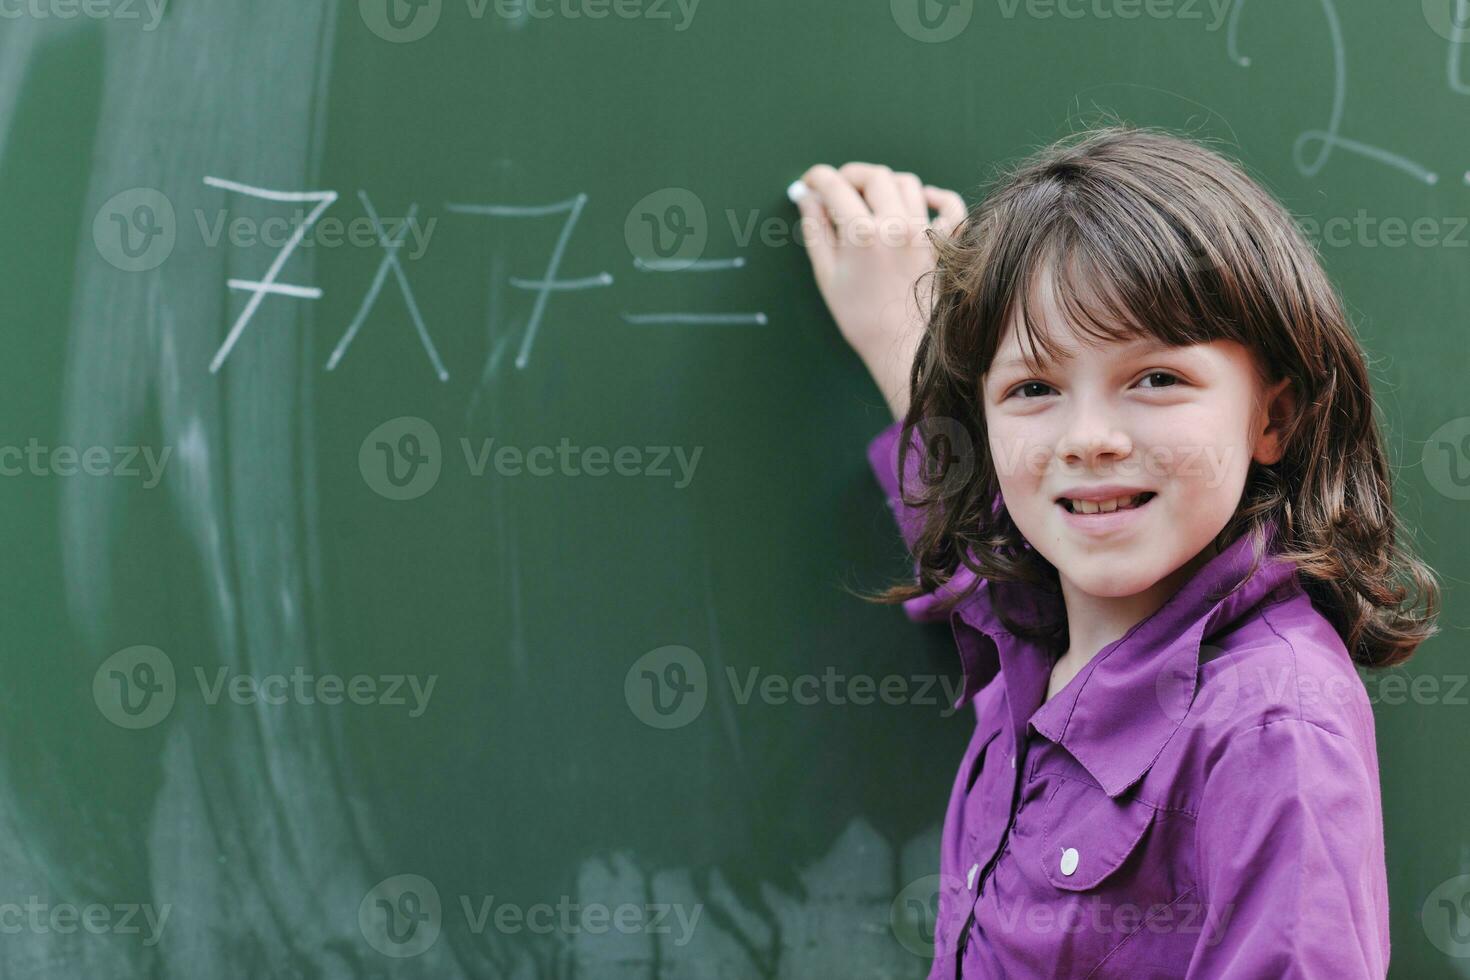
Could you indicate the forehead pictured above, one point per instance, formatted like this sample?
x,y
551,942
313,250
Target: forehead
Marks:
x,y
1039,321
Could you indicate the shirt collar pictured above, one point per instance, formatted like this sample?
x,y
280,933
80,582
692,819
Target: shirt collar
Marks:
x,y
1122,708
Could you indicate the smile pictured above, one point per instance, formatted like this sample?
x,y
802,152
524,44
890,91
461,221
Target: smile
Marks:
x,y
1106,506
1126,512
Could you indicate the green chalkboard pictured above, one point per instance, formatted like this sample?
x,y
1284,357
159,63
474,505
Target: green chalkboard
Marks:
x,y
435,491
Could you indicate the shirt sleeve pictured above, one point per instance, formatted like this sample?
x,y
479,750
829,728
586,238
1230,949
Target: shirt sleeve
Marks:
x,y
883,456
1290,859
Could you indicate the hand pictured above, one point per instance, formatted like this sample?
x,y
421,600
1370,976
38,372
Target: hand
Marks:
x,y
864,232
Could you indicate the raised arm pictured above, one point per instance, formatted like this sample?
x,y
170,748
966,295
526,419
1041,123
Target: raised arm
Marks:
x,y
864,228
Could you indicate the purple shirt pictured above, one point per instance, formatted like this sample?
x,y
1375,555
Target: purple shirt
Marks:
x,y
1200,800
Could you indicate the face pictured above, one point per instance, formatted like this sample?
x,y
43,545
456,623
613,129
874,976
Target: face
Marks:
x,y
1123,418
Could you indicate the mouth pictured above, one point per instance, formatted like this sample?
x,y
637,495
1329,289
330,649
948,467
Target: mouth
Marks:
x,y
1104,508
1088,517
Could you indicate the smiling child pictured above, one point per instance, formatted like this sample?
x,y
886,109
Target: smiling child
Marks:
x,y
1141,478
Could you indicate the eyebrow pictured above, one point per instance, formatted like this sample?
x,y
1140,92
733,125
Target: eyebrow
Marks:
x,y
1135,348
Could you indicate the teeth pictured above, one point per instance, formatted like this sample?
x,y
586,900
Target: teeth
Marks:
x,y
1103,506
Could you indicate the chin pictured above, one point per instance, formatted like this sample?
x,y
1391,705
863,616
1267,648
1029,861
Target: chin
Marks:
x,y
1108,584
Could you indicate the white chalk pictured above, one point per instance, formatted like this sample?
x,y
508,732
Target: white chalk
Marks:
x,y
797,191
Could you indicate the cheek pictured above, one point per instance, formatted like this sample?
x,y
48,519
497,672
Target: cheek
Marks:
x,y
1192,450
1019,454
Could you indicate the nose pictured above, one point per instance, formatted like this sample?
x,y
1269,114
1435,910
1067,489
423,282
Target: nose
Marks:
x,y
1093,438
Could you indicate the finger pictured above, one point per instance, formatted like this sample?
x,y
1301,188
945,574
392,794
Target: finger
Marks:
x,y
817,235
875,182
911,193
840,199
951,208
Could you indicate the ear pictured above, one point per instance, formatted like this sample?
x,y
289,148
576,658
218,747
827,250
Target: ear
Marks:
x,y
1279,405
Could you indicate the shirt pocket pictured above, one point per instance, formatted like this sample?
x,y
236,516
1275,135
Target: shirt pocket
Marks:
x,y
1087,835
1114,875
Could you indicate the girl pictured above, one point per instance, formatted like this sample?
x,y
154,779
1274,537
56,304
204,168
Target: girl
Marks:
x,y
1153,504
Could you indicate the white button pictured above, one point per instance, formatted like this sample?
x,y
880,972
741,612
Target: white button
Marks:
x,y
970,882
1069,860
1013,761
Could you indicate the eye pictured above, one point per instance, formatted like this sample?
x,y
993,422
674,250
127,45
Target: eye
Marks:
x,y
1172,378
1023,386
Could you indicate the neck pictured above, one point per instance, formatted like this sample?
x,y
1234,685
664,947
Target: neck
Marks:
x,y
1095,621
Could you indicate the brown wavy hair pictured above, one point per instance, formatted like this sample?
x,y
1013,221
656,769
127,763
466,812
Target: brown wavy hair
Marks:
x,y
1152,234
